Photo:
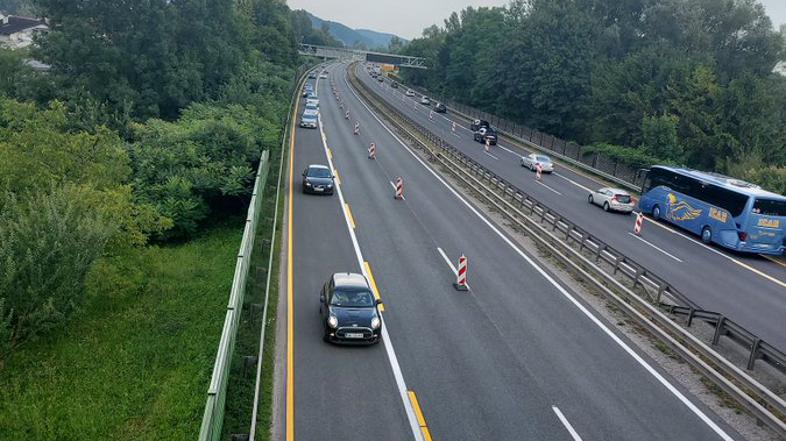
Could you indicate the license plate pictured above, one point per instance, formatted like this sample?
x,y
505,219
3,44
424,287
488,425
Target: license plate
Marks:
x,y
353,335
318,189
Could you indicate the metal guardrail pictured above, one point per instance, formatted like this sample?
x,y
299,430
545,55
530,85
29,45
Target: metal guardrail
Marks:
x,y
522,136
584,254
213,417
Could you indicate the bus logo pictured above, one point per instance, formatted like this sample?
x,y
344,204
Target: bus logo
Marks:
x,y
769,223
718,215
681,210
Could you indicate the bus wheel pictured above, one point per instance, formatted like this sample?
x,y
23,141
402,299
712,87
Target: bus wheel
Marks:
x,y
706,235
656,212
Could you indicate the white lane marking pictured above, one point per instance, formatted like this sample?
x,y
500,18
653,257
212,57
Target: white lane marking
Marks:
x,y
450,264
541,183
456,135
391,353
394,189
566,423
490,155
616,339
573,182
656,247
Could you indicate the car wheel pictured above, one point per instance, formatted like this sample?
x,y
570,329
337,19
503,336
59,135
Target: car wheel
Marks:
x,y
605,206
656,212
706,235
590,200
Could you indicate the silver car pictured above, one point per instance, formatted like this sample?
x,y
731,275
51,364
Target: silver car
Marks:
x,y
612,199
531,161
410,92
425,100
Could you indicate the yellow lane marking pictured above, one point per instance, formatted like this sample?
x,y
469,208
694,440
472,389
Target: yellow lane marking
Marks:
x,y
773,260
742,264
349,215
330,153
338,179
373,283
290,418
419,415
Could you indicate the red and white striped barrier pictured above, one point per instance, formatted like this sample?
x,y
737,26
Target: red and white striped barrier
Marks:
x,y
453,127
357,128
372,151
431,115
461,275
638,224
346,115
488,144
538,171
399,188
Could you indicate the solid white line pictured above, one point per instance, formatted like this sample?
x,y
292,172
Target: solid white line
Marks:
x,y
656,247
450,264
625,347
555,191
391,353
566,423
394,189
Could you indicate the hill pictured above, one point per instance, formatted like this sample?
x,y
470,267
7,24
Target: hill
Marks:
x,y
364,38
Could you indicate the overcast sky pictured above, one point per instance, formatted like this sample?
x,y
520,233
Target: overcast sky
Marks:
x,y
407,18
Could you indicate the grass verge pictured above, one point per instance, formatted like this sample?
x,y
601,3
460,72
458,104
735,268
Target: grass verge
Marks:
x,y
136,362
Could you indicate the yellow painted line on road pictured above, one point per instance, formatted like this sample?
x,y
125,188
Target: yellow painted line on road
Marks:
x,y
349,215
773,260
373,283
290,406
720,253
338,179
419,414
330,153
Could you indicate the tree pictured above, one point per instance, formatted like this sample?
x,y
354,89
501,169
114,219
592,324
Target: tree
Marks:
x,y
659,137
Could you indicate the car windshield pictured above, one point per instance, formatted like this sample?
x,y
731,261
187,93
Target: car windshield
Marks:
x,y
543,159
352,299
311,106
318,172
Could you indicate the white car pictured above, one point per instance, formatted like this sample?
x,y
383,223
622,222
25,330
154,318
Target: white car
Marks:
x,y
323,75
308,120
531,161
410,92
312,102
310,111
612,199
425,101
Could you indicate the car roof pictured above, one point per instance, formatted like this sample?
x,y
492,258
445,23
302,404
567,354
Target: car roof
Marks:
x,y
727,182
353,280
319,166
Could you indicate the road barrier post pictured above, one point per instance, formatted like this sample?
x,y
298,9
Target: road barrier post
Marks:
x,y
638,224
357,128
453,127
346,115
372,151
488,144
538,171
399,188
431,115
461,275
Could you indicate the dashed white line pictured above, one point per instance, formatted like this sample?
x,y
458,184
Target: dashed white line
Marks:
x,y
566,423
555,191
656,247
490,155
573,182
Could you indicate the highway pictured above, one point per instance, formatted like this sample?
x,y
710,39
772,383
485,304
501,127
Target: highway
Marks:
x,y
749,289
518,357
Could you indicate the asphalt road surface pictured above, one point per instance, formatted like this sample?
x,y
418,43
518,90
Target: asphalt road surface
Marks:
x,y
750,289
518,357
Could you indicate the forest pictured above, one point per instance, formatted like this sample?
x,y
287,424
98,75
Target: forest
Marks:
x,y
687,82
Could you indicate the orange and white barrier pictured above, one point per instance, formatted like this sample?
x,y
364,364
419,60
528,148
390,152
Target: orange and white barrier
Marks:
x,y
453,127
538,171
487,145
372,151
399,188
346,115
639,223
431,115
461,275
357,128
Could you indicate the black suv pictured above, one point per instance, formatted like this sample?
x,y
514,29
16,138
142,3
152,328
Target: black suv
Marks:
x,y
440,108
348,310
477,124
486,134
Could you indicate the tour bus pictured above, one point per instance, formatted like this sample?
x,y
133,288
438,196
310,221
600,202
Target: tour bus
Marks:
x,y
729,212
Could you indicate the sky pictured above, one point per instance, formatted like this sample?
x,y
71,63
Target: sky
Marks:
x,y
407,18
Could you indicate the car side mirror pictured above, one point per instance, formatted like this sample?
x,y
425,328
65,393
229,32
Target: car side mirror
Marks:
x,y
378,301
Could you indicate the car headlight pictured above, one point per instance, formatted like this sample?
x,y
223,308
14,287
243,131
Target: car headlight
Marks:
x,y
375,323
330,186
308,184
332,321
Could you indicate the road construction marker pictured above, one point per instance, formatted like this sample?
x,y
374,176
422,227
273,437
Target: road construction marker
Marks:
x,y
399,186
357,127
431,115
639,222
538,171
346,115
461,275
453,127
372,151
488,144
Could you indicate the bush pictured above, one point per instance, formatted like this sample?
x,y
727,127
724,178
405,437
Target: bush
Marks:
x,y
625,155
48,244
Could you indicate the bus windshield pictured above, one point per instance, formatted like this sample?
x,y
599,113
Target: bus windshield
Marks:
x,y
769,207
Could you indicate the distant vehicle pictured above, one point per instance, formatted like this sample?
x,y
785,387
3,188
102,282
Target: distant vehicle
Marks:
x,y
373,74
311,112
310,95
323,75
307,89
308,120
729,212
318,179
425,100
312,102
612,199
477,124
410,92
394,85
380,78
531,161
440,108
484,134
312,75
348,310
312,106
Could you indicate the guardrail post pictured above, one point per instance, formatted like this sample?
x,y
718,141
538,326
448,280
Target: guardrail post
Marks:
x,y
754,353
691,312
661,290
719,330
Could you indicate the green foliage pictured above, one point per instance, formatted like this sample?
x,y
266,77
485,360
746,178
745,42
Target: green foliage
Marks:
x,y
688,81
627,155
47,245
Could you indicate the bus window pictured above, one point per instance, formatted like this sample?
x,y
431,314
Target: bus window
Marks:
x,y
769,207
729,200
